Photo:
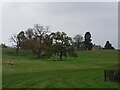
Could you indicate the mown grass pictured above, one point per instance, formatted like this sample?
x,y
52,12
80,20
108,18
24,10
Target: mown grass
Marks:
x,y
85,71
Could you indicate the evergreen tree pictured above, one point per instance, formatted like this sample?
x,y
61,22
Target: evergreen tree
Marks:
x,y
108,45
87,42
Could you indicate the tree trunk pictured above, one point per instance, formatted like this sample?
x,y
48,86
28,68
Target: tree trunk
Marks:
x,y
61,55
17,50
78,46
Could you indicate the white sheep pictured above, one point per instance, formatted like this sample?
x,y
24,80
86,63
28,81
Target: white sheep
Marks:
x,y
8,63
12,63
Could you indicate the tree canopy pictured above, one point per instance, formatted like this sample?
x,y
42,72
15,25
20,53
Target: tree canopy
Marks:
x,y
62,45
43,43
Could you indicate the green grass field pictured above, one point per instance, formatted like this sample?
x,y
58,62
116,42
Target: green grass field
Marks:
x,y
86,72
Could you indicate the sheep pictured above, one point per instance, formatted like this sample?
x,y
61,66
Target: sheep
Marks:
x,y
10,63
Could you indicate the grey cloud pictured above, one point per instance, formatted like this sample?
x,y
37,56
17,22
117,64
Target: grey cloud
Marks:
x,y
73,18
81,7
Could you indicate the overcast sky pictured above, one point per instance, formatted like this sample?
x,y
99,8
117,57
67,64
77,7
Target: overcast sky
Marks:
x,y
99,18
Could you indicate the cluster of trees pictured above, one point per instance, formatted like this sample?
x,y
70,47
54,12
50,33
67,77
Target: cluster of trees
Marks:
x,y
83,43
3,45
45,44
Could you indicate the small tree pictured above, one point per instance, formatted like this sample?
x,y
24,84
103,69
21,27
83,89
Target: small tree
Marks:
x,y
108,45
3,45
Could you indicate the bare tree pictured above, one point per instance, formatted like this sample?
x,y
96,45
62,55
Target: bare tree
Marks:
x,y
78,39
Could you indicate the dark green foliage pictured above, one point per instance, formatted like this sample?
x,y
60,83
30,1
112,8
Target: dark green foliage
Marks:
x,y
88,46
88,37
43,44
108,45
87,42
62,45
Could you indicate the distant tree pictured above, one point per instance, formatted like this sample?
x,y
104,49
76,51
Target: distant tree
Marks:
x,y
44,44
4,46
18,39
108,45
62,45
78,41
87,42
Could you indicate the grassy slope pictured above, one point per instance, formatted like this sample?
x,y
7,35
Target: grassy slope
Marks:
x,y
86,72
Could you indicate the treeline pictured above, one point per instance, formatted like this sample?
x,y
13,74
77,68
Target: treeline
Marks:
x,y
45,44
85,43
